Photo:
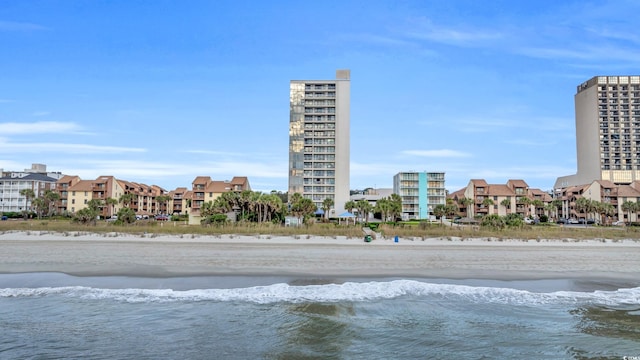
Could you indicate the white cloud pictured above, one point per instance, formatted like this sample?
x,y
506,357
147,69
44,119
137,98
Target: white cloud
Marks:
x,y
130,169
529,142
41,113
15,147
437,153
41,127
239,168
212,152
459,36
375,169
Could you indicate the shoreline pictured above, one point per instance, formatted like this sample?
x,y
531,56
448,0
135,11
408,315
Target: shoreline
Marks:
x,y
169,256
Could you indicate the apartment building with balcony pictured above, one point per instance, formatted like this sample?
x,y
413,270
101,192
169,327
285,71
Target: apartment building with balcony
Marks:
x,y
513,197
420,193
11,200
319,140
204,189
62,187
603,191
37,178
144,196
180,202
607,118
75,194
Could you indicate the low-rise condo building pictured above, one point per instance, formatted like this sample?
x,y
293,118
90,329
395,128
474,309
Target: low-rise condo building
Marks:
x,y
420,193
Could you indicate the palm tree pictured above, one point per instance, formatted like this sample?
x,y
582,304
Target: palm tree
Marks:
x,y
550,210
506,203
466,202
487,202
628,207
451,210
28,195
127,199
39,205
440,211
583,205
364,207
50,198
303,207
383,206
605,210
327,203
350,205
111,202
527,205
162,200
396,206
207,209
554,207
537,204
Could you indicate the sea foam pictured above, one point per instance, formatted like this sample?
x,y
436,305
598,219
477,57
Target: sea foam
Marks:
x,y
349,291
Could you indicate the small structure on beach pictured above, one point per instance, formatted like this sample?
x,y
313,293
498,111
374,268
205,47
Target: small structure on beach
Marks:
x,y
347,216
292,221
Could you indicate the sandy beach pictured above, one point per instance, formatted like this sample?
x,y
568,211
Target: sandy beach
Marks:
x,y
154,255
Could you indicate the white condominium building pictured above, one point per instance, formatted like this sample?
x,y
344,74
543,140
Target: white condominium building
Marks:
x,y
420,193
319,140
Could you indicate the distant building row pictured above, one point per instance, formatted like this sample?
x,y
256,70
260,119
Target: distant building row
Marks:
x,y
76,193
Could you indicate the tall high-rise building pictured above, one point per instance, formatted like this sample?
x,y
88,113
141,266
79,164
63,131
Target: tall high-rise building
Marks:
x,y
319,140
420,193
607,110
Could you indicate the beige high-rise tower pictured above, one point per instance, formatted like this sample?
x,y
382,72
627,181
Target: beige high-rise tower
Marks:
x,y
607,110
319,140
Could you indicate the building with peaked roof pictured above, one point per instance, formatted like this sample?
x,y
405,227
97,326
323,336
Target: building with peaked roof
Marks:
x,y
204,189
513,197
78,196
180,202
602,191
319,139
607,117
75,194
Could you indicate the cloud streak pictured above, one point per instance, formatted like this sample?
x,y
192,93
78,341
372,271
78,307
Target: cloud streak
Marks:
x,y
40,127
48,147
442,153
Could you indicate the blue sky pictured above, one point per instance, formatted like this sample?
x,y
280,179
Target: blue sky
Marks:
x,y
160,92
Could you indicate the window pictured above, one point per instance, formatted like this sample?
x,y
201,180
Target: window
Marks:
x,y
73,201
85,201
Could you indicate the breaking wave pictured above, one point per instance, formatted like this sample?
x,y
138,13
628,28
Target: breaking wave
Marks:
x,y
350,291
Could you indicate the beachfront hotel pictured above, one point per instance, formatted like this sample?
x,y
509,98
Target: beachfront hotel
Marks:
x,y
37,179
607,112
319,140
420,193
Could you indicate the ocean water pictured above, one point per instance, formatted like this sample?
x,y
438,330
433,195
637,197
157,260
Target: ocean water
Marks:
x,y
56,316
